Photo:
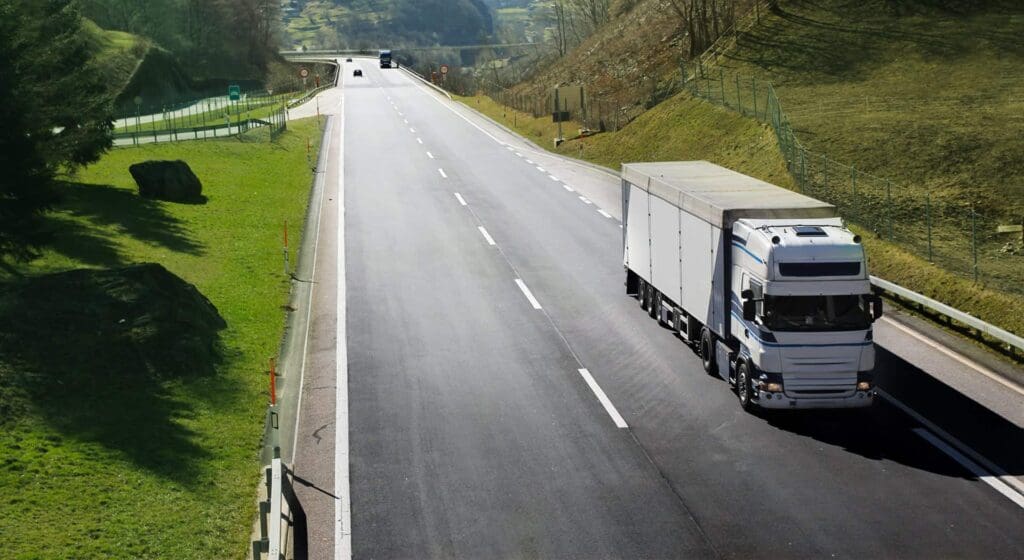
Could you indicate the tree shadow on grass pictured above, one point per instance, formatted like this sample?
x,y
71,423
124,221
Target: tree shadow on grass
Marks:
x,y
112,356
103,206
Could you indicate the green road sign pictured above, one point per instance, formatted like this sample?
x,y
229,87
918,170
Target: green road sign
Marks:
x,y
234,93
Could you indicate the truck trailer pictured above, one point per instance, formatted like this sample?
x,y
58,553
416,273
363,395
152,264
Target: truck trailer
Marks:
x,y
768,285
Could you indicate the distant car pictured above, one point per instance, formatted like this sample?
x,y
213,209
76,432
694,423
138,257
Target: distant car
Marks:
x,y
348,60
357,73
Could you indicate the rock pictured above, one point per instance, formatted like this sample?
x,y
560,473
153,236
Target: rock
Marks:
x,y
173,181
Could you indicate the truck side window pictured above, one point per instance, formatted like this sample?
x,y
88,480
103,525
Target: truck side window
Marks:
x,y
758,290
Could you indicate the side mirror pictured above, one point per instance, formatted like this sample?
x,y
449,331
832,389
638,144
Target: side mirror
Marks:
x,y
747,294
876,308
749,309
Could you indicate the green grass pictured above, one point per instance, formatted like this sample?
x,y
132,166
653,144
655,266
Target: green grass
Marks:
x,y
165,468
684,128
115,54
926,104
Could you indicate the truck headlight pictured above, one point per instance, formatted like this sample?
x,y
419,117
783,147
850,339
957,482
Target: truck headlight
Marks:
x,y
771,387
863,385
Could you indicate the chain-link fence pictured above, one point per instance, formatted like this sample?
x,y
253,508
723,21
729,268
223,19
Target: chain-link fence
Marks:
x,y
949,232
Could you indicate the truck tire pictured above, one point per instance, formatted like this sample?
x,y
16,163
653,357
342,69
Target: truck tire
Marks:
x,y
743,388
707,351
655,310
641,292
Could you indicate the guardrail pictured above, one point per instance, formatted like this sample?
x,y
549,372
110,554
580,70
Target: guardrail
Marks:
x,y
426,81
1014,343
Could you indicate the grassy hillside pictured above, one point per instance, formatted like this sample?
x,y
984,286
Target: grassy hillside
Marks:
x,y
111,447
116,54
685,128
929,95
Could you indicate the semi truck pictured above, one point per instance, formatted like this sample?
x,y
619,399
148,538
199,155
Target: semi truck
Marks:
x,y
767,284
385,58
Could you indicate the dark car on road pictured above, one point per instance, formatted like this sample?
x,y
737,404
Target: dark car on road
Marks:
x,y
357,73
348,60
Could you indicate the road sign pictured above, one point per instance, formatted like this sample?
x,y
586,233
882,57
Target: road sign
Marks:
x,y
138,100
303,73
444,69
234,93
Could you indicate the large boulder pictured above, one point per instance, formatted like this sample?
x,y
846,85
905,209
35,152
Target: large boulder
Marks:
x,y
167,180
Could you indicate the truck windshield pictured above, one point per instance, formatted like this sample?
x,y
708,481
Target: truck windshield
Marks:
x,y
816,313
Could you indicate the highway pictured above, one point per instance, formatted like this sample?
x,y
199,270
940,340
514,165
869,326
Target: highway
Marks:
x,y
476,384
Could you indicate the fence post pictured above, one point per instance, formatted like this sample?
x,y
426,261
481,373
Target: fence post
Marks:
x,y
853,182
888,205
974,241
739,101
824,170
721,84
753,83
928,219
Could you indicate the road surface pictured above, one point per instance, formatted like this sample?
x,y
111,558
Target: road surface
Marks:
x,y
491,392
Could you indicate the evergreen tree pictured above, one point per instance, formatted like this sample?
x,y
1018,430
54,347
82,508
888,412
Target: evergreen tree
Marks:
x,y
56,113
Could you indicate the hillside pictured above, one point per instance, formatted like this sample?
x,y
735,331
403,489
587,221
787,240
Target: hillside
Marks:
x,y
115,54
928,97
370,24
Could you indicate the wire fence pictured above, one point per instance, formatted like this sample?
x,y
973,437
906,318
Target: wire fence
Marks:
x,y
212,117
949,232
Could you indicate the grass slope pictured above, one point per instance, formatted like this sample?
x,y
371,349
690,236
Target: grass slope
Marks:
x,y
684,128
115,54
165,469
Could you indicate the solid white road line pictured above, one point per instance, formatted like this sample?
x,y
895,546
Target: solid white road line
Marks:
x,y
603,213
567,187
420,140
529,295
487,236
552,177
958,357
461,200
430,155
441,171
343,503
970,465
541,169
585,200
608,406
952,440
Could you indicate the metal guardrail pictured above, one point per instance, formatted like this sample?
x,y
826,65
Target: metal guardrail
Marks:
x,y
993,331
427,82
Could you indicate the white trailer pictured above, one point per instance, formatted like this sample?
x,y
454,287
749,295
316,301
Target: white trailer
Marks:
x,y
767,283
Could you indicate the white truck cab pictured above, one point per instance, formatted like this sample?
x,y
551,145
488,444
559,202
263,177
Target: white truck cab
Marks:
x,y
768,284
801,313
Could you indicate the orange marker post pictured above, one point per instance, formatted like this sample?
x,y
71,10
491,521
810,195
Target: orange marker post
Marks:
x,y
273,384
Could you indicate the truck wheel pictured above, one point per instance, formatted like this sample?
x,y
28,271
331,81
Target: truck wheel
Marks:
x,y
743,389
707,351
641,292
655,310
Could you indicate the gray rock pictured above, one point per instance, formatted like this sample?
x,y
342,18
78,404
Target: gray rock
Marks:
x,y
167,180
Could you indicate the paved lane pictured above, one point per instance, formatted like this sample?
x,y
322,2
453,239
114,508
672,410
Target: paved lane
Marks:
x,y
474,434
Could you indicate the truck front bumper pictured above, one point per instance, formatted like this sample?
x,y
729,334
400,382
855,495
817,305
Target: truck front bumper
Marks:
x,y
777,401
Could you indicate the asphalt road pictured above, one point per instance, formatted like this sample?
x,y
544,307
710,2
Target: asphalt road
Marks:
x,y
477,285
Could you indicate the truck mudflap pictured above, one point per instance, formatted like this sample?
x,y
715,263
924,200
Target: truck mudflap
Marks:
x,y
859,399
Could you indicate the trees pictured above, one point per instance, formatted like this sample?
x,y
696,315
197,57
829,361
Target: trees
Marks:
x,y
56,114
704,21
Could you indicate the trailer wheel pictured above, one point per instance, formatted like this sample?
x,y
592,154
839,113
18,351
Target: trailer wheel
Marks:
x,y
641,292
655,310
707,351
743,389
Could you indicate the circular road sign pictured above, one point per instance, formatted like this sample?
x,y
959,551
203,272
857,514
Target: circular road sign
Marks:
x,y
138,100
304,73
444,69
